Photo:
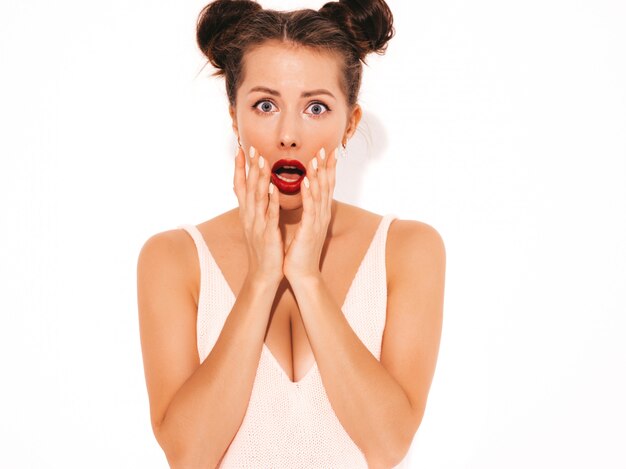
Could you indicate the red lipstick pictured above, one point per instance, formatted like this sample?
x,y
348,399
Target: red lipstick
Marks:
x,y
287,175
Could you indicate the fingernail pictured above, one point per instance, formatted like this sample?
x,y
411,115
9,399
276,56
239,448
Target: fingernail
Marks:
x,y
314,163
271,188
261,162
306,181
322,153
252,152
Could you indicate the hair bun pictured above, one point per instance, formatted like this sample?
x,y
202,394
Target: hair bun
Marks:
x,y
368,22
217,25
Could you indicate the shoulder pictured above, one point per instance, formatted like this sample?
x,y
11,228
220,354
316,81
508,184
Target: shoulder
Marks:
x,y
355,220
166,246
171,254
414,231
177,247
413,248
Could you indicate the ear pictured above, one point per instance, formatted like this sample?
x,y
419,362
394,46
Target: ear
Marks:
x,y
233,115
353,121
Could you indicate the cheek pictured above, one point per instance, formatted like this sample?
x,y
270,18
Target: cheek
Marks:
x,y
255,133
326,128
328,135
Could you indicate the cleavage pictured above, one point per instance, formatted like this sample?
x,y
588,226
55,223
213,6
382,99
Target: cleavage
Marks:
x,y
286,337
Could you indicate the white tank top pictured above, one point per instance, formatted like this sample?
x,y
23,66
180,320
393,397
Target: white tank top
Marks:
x,y
292,424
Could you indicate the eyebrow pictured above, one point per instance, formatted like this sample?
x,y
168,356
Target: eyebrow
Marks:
x,y
305,94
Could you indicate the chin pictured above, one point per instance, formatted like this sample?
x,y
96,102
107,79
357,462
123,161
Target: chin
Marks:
x,y
290,201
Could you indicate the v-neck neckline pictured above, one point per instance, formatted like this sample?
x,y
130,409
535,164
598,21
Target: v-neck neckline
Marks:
x,y
350,289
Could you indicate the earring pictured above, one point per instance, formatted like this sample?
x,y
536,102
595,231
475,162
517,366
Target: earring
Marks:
x,y
343,151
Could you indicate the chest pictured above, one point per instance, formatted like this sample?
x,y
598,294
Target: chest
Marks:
x,y
286,337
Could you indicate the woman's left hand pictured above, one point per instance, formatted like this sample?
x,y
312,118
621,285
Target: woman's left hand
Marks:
x,y
302,255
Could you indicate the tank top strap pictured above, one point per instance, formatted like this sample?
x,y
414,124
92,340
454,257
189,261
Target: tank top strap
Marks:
x,y
376,264
203,250
215,298
384,229
366,306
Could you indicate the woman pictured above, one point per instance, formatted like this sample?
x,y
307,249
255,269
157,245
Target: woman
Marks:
x,y
294,330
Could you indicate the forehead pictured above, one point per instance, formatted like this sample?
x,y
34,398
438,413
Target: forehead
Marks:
x,y
286,66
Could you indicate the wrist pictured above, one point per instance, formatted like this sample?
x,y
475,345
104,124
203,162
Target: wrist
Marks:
x,y
262,282
310,279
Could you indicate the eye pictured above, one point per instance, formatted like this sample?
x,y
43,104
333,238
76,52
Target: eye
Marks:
x,y
317,108
263,106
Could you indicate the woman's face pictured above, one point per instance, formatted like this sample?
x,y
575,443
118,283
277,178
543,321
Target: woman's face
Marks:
x,y
290,104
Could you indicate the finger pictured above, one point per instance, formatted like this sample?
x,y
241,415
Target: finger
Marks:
x,y
331,173
314,188
262,189
322,157
274,207
308,206
322,177
239,179
251,182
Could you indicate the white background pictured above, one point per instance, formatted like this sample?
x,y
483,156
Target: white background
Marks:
x,y
501,124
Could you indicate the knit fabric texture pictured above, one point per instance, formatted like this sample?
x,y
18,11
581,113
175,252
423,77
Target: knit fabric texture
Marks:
x,y
292,425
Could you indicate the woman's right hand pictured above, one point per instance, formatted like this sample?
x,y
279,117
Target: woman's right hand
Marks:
x,y
259,217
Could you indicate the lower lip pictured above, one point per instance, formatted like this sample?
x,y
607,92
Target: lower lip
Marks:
x,y
285,187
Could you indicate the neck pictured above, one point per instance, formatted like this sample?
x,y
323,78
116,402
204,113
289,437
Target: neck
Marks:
x,y
288,222
290,219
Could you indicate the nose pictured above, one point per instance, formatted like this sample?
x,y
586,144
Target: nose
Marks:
x,y
289,133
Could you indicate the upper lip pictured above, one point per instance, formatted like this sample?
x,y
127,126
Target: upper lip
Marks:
x,y
284,162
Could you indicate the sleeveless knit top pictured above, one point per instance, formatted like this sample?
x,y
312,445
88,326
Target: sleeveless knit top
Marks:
x,y
292,424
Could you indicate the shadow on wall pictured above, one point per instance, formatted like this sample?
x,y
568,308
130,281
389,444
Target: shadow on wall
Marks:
x,y
367,144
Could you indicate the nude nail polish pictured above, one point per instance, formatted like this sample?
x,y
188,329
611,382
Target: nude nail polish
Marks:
x,y
322,153
252,152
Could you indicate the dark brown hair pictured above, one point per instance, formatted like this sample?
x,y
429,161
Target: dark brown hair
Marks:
x,y
227,29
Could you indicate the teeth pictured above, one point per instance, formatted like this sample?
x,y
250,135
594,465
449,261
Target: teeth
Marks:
x,y
280,176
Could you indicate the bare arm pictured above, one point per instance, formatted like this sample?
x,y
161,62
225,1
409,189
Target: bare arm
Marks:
x,y
384,415
196,409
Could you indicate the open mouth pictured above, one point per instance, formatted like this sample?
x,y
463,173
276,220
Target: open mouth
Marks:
x,y
287,175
